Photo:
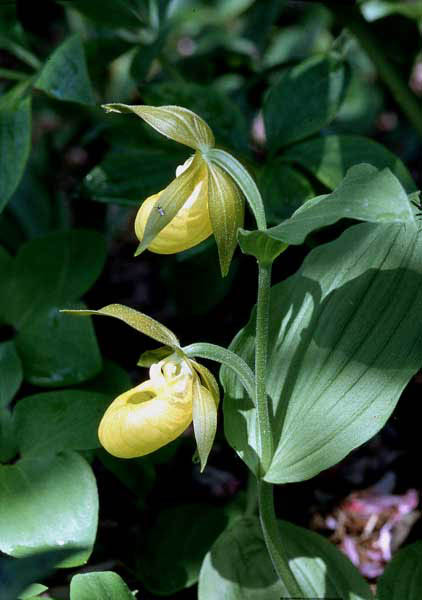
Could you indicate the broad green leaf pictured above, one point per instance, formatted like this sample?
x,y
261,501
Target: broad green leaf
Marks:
x,y
17,575
48,503
402,577
50,422
52,270
283,190
365,194
8,446
377,9
176,545
15,142
101,585
345,338
305,98
10,372
57,351
34,590
329,158
137,475
227,211
64,76
129,175
174,122
142,323
144,57
31,207
238,566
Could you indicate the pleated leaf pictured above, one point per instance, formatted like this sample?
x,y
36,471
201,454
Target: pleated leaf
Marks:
x,y
402,577
238,566
345,338
226,210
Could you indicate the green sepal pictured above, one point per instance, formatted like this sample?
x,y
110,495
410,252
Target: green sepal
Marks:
x,y
204,416
142,323
227,210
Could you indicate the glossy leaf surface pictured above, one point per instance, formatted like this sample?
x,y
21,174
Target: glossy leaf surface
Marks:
x,y
344,341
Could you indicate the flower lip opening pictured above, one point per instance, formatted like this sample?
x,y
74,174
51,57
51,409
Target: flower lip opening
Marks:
x,y
139,397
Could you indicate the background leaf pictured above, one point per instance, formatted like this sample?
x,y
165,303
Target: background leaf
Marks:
x,y
50,422
65,75
305,98
16,575
177,543
238,566
15,142
344,342
329,157
99,586
48,503
402,577
10,372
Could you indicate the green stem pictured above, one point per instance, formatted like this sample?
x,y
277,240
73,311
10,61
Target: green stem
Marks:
x,y
265,441
261,353
273,540
409,103
15,75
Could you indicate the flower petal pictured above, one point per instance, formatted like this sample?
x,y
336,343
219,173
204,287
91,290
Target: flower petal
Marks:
x,y
226,209
177,218
208,380
204,412
175,122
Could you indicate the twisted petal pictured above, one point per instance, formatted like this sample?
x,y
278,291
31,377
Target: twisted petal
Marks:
x,y
191,224
150,415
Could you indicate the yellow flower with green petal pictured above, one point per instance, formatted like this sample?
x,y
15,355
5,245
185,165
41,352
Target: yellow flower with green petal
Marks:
x,y
179,391
202,200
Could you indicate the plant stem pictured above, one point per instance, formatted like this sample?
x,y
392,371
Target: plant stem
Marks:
x,y
409,103
268,519
273,540
261,352
15,75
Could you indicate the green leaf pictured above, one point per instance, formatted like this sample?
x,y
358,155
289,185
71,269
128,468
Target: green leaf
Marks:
x,y
305,99
10,372
100,585
142,323
50,422
112,380
402,577
176,545
129,175
17,575
283,189
32,591
57,351
48,503
64,76
8,446
52,271
15,142
238,567
345,338
365,194
328,158
111,13
377,9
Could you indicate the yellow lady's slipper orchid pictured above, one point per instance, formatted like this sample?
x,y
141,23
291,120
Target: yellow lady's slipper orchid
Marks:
x,y
157,411
190,226
201,200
